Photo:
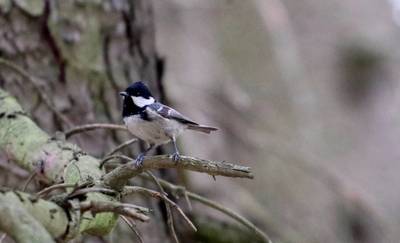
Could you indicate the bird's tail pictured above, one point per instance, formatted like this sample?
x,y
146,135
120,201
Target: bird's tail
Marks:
x,y
201,128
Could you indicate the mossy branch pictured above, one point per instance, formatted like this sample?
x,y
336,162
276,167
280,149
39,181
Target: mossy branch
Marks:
x,y
29,219
54,161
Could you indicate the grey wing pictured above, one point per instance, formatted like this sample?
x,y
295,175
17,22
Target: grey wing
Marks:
x,y
170,113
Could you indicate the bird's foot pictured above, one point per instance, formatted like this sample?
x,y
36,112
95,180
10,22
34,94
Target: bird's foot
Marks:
x,y
139,160
176,157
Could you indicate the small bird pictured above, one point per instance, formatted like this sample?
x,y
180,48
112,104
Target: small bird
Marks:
x,y
153,122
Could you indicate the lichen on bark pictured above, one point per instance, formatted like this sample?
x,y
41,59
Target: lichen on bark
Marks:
x,y
53,160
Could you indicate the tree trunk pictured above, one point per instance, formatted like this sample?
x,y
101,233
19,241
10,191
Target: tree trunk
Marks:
x,y
82,53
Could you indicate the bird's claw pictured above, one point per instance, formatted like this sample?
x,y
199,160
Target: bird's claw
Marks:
x,y
139,160
176,157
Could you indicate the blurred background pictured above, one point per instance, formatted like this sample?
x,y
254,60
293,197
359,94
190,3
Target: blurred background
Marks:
x,y
304,92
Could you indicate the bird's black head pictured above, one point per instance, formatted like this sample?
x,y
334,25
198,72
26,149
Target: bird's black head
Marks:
x,y
136,97
137,89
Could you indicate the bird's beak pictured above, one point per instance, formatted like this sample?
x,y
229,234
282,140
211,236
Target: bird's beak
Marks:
x,y
123,93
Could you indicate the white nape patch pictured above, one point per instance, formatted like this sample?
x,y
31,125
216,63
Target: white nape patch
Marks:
x,y
141,101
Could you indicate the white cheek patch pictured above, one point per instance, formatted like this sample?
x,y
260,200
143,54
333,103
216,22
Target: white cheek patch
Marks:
x,y
141,101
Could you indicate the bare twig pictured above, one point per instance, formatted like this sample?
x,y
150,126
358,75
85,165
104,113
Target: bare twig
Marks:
x,y
128,210
118,177
170,219
108,158
132,227
89,127
121,146
84,191
156,194
12,168
230,213
215,205
47,190
30,178
35,82
188,201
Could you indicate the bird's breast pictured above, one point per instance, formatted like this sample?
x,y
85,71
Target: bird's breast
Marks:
x,y
149,131
155,131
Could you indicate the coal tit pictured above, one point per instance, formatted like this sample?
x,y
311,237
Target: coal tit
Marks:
x,y
153,122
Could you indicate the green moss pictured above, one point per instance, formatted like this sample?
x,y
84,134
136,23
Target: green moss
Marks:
x,y
101,223
51,216
32,7
20,145
33,149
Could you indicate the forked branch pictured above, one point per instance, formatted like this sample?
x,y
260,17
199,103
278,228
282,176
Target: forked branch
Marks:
x,y
118,177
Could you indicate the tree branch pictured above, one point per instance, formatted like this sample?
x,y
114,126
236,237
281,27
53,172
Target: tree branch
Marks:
x,y
21,226
230,213
148,192
170,217
132,226
54,161
111,157
128,210
47,190
118,177
121,146
29,219
179,190
94,126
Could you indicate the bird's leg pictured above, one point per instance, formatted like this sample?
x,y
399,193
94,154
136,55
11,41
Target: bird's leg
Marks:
x,y
175,155
140,157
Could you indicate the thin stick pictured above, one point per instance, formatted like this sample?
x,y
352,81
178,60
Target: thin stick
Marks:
x,y
215,205
89,127
121,146
128,210
84,191
15,170
132,227
34,81
156,194
230,213
47,190
188,201
170,219
30,178
118,156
